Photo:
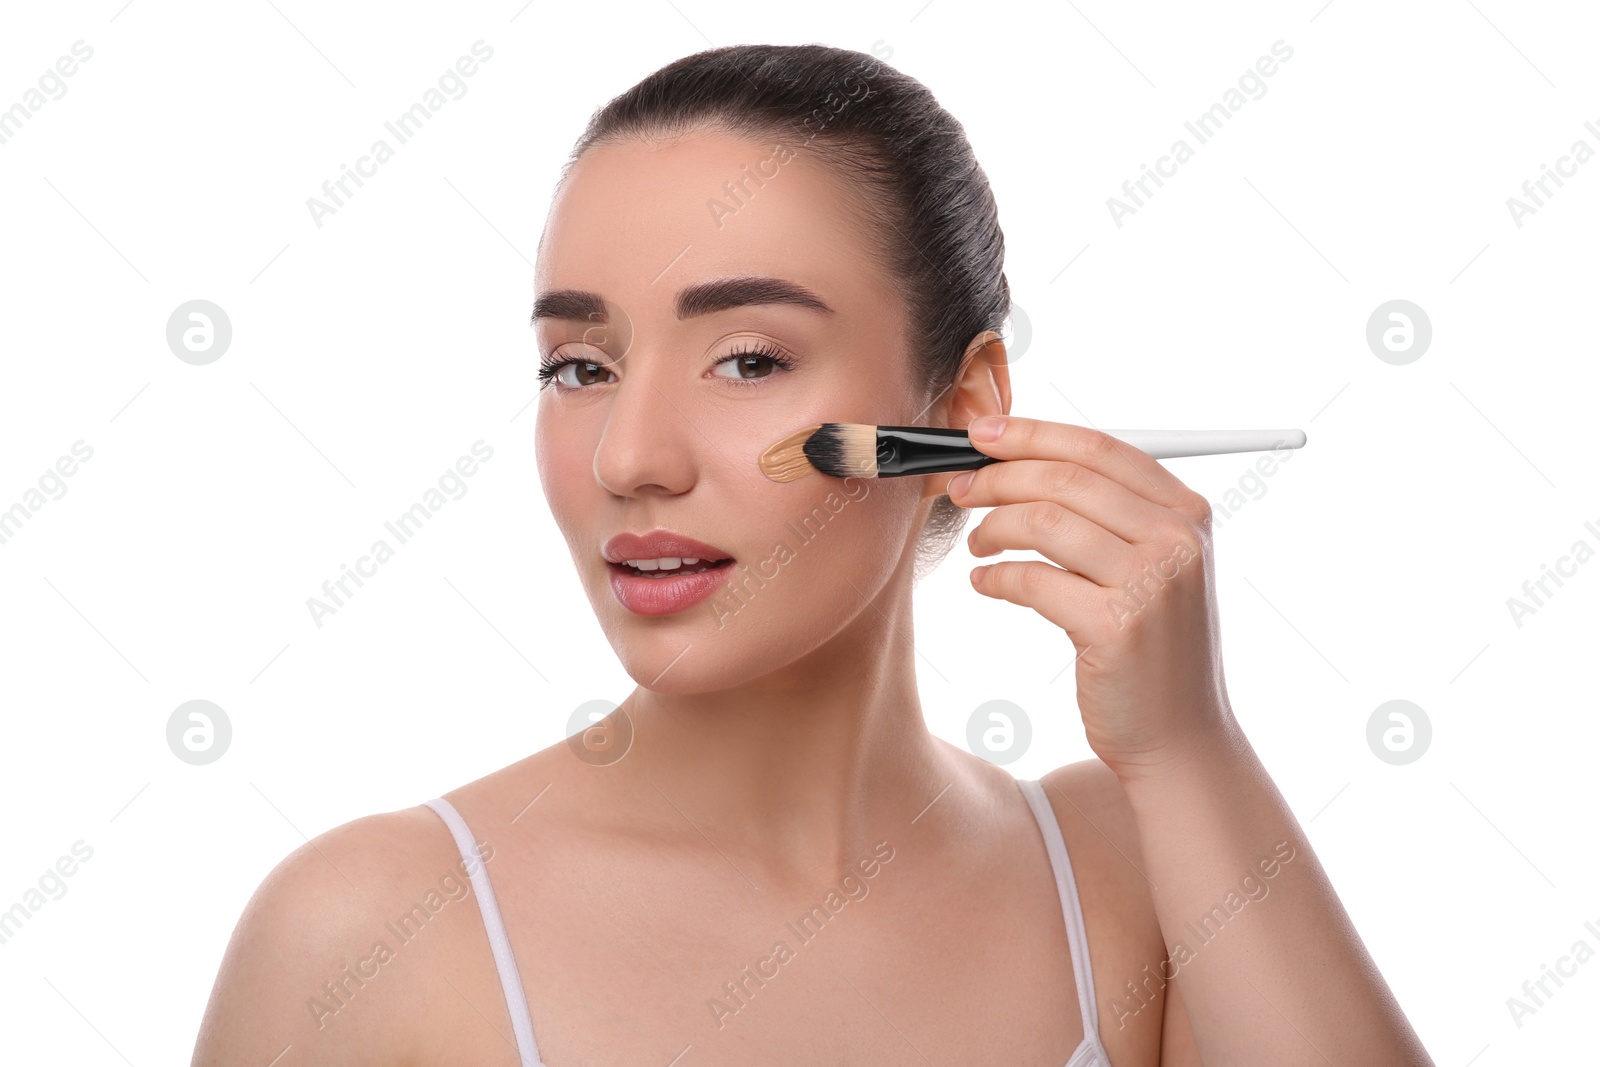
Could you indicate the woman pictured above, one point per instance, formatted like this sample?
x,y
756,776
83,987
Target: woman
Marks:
x,y
762,855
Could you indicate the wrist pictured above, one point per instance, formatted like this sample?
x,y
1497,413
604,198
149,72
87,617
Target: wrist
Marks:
x,y
1217,750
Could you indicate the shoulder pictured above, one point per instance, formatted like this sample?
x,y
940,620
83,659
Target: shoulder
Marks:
x,y
1125,939
1102,839
1086,789
323,958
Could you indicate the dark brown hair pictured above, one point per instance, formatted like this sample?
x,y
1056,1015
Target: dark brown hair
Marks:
x,y
928,205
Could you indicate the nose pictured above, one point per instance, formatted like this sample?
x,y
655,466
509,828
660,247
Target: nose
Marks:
x,y
648,445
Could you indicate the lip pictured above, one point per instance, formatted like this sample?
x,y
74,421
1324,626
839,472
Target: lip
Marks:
x,y
662,596
665,596
658,544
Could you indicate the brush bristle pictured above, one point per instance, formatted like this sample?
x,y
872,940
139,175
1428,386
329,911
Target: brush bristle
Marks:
x,y
844,450
837,449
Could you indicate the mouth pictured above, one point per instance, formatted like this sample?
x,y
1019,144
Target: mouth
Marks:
x,y
663,573
669,567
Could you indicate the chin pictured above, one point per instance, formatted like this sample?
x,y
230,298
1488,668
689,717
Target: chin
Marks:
x,y
709,647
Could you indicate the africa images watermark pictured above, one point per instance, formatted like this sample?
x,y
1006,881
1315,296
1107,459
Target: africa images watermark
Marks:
x,y
1206,126
52,886
1250,486
1149,584
1250,888
34,100
404,127
736,593
741,989
1566,567
403,528
52,486
1581,953
1566,166
337,993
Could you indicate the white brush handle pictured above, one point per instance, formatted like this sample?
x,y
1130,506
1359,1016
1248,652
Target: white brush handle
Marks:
x,y
1164,444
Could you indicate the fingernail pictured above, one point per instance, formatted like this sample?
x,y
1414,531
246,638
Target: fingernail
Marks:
x,y
986,428
958,485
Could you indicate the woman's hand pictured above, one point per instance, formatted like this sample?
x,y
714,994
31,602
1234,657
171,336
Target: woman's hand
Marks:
x,y
1130,579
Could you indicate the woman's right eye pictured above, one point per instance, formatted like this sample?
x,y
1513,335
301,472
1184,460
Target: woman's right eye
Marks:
x,y
554,369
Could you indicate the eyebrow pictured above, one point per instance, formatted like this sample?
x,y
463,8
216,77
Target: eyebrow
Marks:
x,y
703,299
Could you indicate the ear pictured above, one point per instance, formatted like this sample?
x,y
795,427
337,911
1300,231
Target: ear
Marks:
x,y
982,386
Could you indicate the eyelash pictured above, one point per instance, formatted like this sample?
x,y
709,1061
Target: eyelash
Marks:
x,y
548,369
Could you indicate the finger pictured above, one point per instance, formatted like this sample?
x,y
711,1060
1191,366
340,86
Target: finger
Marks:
x,y
1135,468
1110,504
1060,535
1068,600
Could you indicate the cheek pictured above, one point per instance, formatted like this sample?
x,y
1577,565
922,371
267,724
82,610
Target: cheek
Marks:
x,y
566,472
840,528
881,510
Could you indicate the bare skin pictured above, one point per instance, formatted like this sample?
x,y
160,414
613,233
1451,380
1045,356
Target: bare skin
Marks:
x,y
777,747
626,927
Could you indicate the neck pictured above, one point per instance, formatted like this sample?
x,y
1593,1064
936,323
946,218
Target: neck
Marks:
x,y
802,771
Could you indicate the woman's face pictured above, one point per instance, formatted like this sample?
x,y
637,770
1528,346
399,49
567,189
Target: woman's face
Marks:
x,y
654,426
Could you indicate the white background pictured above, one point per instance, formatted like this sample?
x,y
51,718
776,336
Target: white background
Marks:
x,y
368,354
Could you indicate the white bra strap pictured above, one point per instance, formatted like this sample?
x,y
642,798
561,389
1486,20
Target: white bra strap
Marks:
x,y
1071,909
504,961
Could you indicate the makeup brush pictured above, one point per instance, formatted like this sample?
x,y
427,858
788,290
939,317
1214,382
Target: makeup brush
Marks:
x,y
854,449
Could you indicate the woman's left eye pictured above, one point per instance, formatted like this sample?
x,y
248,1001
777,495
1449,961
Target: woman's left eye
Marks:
x,y
751,358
